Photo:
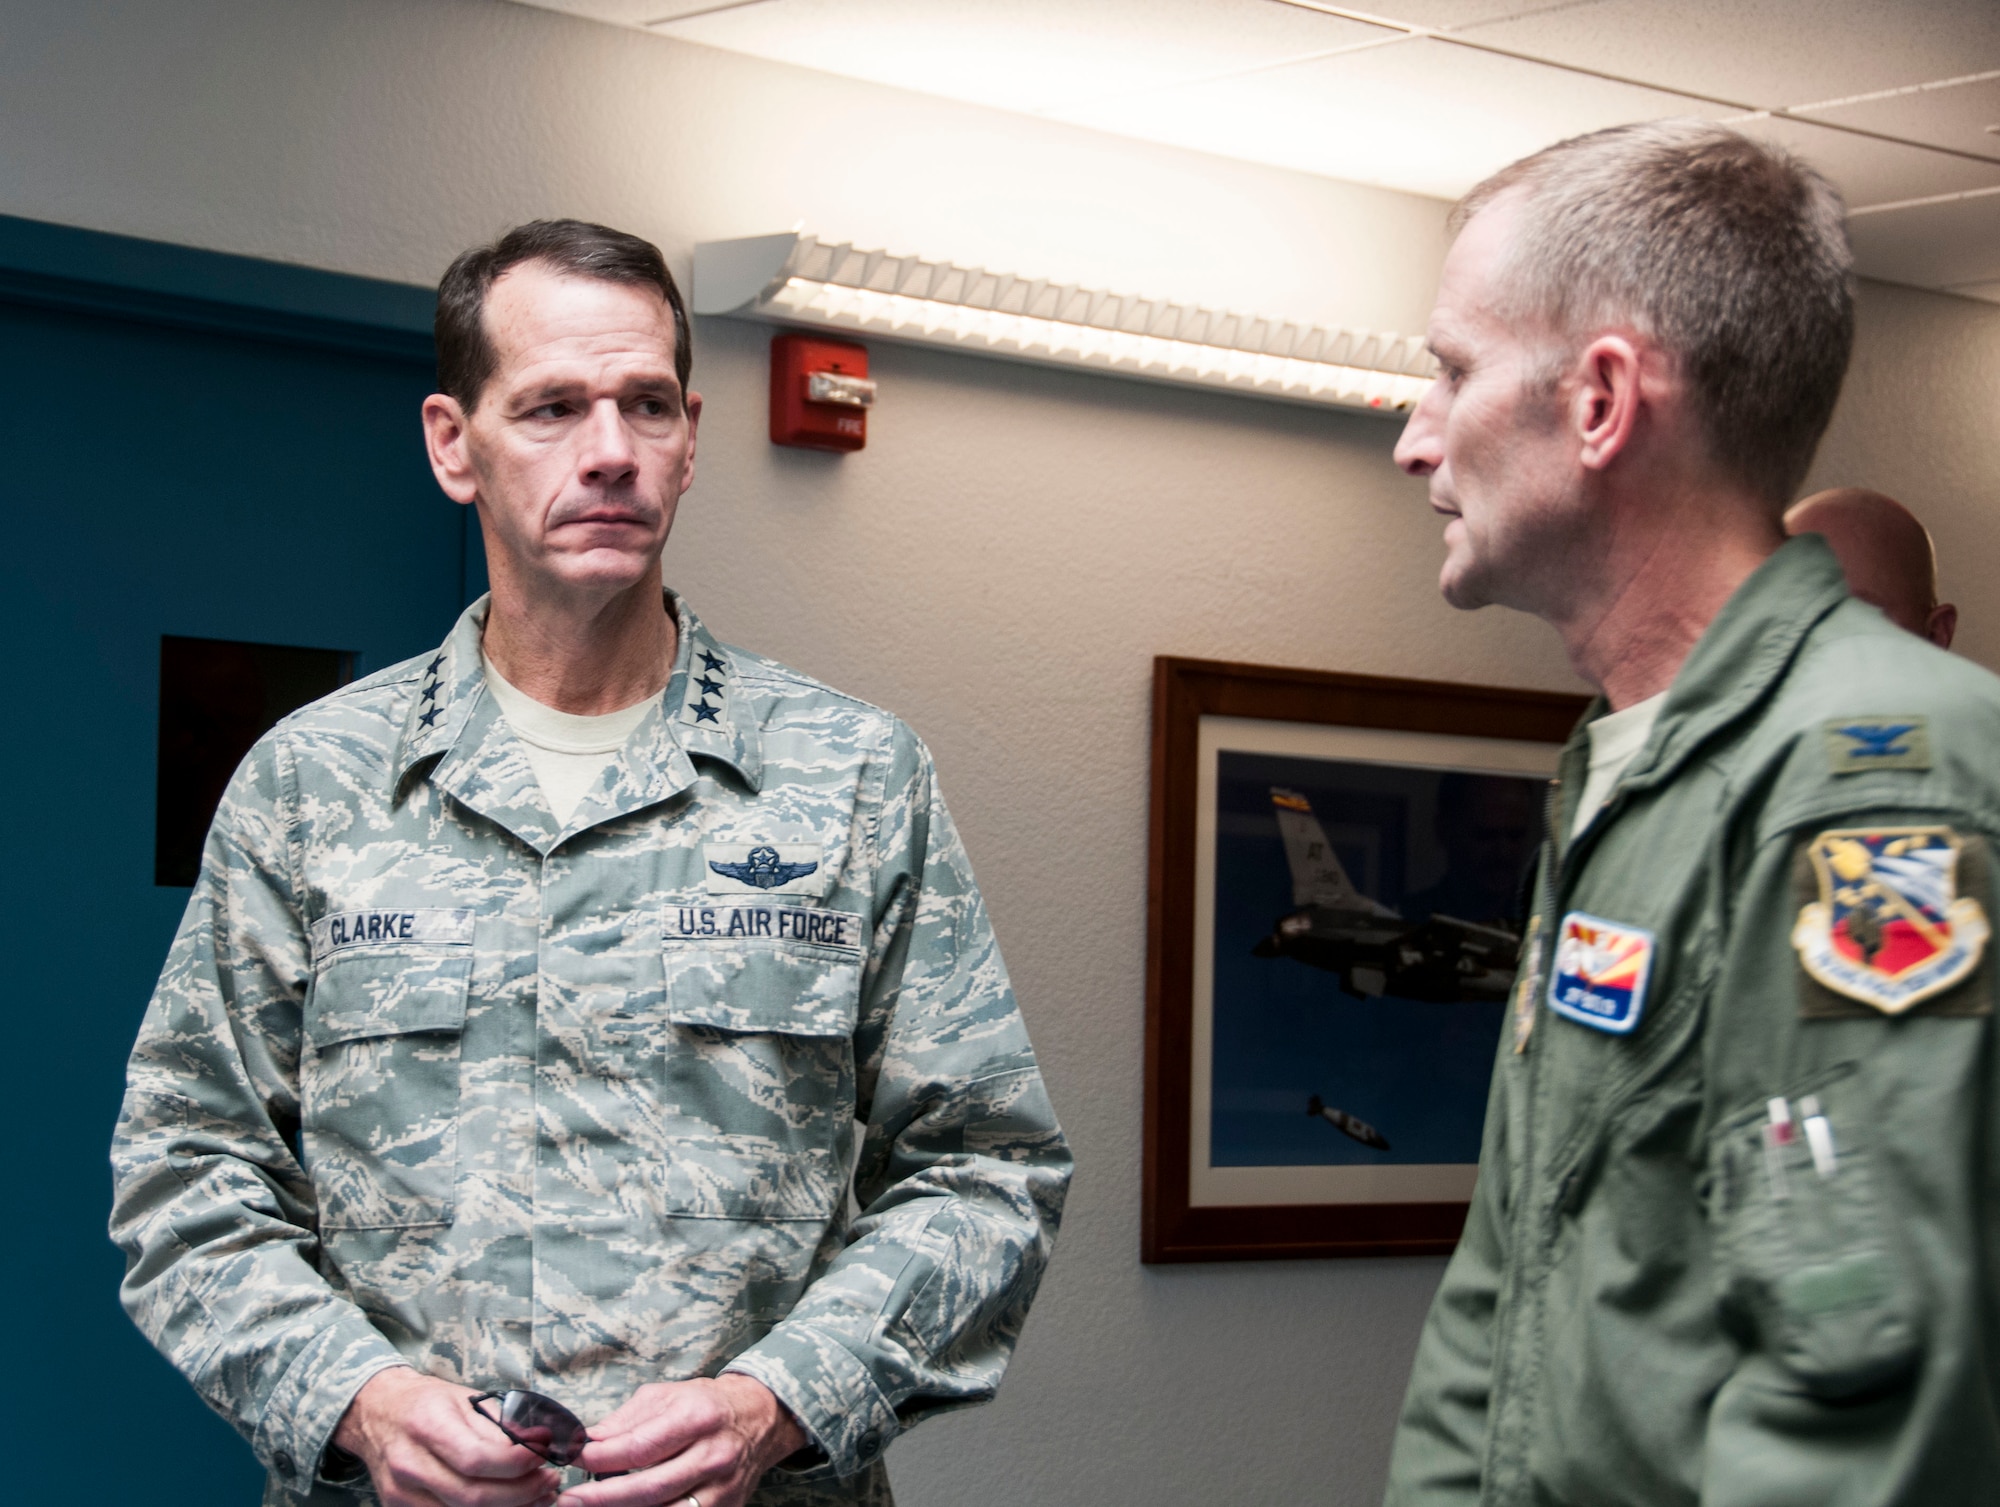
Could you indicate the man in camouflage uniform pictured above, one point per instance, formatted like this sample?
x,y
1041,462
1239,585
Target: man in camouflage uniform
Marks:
x,y
1734,1238
467,1073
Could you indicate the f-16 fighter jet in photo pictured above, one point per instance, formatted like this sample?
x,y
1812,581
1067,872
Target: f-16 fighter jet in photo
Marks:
x,y
1348,1125
1372,948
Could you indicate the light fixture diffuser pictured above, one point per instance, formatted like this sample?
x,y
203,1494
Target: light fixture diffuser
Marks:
x,y
797,279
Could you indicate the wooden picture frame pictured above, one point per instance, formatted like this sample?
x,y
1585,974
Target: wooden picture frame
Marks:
x,y
1202,711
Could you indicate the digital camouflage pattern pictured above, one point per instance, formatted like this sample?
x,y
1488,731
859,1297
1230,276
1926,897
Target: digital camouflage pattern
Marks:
x,y
430,1080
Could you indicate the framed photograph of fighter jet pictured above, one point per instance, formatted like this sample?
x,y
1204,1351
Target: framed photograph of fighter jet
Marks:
x,y
1334,916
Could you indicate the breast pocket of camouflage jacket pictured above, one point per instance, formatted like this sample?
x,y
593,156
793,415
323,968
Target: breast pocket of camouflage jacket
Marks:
x,y
1807,1250
762,1001
379,1082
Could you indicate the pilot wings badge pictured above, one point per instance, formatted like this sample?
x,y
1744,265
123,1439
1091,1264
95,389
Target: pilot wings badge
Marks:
x,y
762,866
1889,928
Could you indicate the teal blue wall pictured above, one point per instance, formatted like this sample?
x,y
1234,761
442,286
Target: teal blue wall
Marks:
x,y
193,444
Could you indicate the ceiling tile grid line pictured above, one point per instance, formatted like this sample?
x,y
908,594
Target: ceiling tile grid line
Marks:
x,y
1407,32
1272,65
622,12
1420,29
703,8
1898,92
1410,31
1925,202
1751,111
1899,105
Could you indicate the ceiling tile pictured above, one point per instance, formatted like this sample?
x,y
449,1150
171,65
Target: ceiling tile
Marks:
x,y
623,12
1422,116
1451,14
1873,172
1772,54
675,10
1253,79
1957,116
1932,245
1024,54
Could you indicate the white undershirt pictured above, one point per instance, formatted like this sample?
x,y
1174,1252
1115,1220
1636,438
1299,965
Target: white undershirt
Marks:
x,y
568,753
1615,741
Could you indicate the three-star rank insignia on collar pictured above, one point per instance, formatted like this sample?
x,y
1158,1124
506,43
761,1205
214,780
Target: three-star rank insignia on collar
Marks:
x,y
432,707
1889,928
707,688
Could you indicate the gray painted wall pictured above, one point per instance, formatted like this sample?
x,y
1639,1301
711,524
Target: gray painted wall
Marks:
x,y
999,566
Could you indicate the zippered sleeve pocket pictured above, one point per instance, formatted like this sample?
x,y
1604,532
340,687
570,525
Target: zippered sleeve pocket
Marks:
x,y
1807,1253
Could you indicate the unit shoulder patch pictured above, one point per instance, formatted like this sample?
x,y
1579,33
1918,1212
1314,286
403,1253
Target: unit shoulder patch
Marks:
x,y
1856,745
1600,973
1889,926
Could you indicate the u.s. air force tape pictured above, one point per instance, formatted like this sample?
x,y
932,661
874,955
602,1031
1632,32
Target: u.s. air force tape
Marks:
x,y
419,926
807,924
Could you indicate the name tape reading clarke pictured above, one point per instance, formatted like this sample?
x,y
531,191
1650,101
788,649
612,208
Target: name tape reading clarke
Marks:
x,y
777,923
425,926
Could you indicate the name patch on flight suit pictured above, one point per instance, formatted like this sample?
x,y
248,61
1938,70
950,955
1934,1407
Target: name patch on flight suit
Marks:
x,y
1856,745
761,867
421,926
1600,973
809,924
1528,985
1889,927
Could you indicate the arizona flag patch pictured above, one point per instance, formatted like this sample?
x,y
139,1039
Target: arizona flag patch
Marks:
x,y
1889,928
1600,973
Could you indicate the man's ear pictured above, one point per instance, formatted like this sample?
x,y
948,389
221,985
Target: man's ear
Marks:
x,y
445,439
692,403
1942,625
1611,390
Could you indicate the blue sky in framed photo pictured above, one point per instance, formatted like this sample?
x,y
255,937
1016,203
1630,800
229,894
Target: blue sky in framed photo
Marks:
x,y
1285,1031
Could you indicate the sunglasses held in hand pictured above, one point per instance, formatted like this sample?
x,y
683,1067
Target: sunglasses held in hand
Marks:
x,y
539,1424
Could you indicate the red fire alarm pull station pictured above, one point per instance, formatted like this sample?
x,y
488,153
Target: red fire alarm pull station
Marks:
x,y
820,393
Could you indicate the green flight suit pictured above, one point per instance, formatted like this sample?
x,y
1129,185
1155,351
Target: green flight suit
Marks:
x,y
1662,1296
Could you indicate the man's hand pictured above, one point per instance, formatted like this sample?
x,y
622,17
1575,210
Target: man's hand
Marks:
x,y
425,1447
711,1440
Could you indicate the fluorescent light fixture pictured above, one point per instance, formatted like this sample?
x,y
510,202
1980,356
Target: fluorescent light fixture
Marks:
x,y
798,279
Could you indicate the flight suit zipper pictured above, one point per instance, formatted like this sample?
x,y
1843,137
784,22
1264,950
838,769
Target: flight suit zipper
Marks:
x,y
1532,1216
1536,952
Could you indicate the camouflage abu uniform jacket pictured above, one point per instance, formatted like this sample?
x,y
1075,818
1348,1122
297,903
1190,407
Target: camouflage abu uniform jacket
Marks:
x,y
427,1079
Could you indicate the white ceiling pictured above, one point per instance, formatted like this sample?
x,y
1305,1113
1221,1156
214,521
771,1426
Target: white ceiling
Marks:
x,y
1898,101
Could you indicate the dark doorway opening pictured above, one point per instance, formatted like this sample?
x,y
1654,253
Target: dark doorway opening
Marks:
x,y
217,697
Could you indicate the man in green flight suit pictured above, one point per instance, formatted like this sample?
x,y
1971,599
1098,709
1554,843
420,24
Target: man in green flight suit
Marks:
x,y
1736,1235
532,993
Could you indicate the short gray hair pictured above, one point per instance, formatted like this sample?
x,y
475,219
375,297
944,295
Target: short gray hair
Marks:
x,y
1731,254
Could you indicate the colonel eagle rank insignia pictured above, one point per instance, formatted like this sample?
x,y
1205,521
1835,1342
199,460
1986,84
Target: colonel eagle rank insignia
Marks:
x,y
1889,928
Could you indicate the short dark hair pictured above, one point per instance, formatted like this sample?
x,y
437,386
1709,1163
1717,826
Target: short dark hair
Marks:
x,y
1731,254
465,355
